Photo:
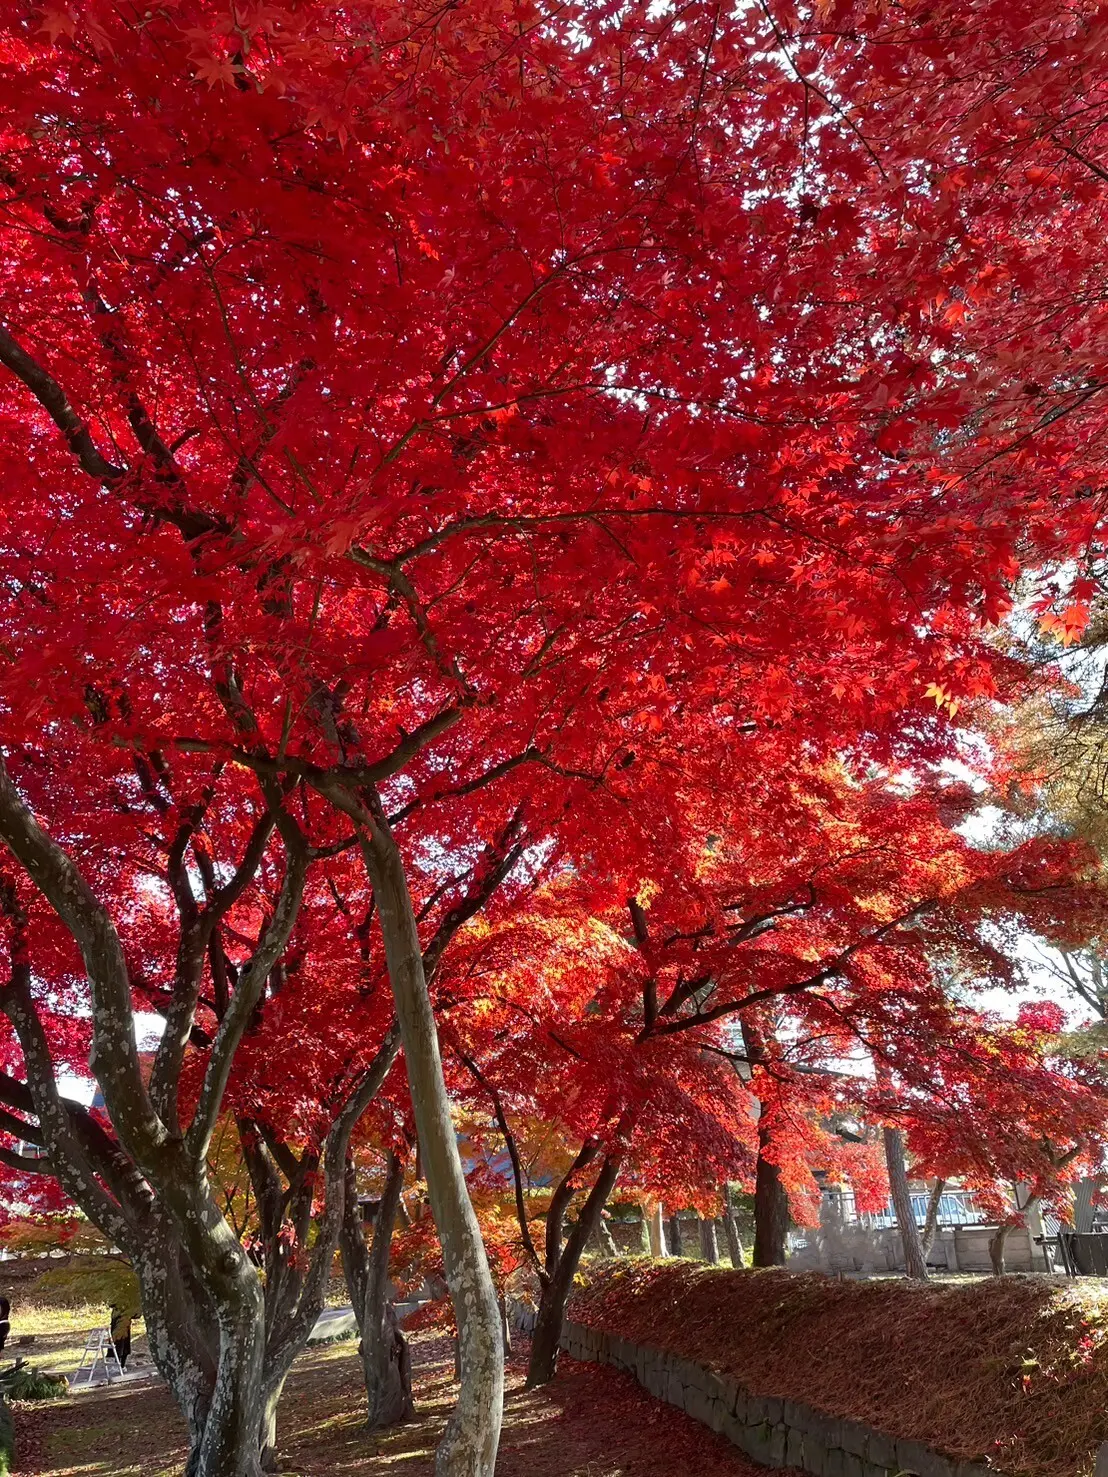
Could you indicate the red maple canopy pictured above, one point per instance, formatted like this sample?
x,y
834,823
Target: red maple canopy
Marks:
x,y
434,440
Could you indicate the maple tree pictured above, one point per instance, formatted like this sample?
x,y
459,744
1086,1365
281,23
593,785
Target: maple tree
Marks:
x,y
1038,1124
791,928
345,345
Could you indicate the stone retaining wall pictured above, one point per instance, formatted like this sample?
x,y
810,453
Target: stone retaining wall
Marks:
x,y
773,1431
522,1316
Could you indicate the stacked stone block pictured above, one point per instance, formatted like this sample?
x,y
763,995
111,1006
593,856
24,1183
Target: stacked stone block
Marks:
x,y
769,1430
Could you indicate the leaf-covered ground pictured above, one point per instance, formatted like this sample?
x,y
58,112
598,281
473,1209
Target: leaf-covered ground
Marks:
x,y
1012,1371
591,1422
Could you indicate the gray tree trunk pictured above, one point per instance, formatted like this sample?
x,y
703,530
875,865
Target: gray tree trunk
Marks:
x,y
996,1249
914,1263
547,1336
731,1230
268,1438
709,1245
602,1241
931,1224
180,1327
656,1231
676,1240
385,1359
469,1445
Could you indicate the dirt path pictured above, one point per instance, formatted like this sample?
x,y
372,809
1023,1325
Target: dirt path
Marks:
x,y
591,1422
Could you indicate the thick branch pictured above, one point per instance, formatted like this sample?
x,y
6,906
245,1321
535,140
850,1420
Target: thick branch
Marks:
x,y
20,1128
69,1161
50,395
248,991
513,1155
811,982
559,1203
26,1164
114,1056
193,948
650,984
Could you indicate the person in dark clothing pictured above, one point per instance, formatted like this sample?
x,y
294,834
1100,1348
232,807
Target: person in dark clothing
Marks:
x,y
5,1325
120,1331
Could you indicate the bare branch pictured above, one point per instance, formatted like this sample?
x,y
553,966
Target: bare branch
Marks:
x,y
796,987
249,989
513,1155
52,398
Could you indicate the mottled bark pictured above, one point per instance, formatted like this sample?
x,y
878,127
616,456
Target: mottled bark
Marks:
x,y
181,1331
385,1360
914,1264
147,1188
230,1445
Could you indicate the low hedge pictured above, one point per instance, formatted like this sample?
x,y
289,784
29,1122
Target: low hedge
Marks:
x,y
1010,1371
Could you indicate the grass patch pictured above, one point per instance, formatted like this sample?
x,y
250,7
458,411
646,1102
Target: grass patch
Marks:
x,y
59,1302
72,1283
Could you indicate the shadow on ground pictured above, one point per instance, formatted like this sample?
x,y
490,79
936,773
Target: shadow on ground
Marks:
x,y
591,1422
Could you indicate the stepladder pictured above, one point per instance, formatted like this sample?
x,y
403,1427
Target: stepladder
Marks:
x,y
99,1351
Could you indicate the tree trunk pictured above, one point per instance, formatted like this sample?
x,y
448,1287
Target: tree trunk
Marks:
x,y
656,1229
914,1264
355,1252
602,1242
230,1444
771,1201
181,1331
547,1336
469,1445
731,1230
644,1235
931,1224
771,1211
709,1245
268,1437
205,1319
996,1248
385,1358
676,1243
